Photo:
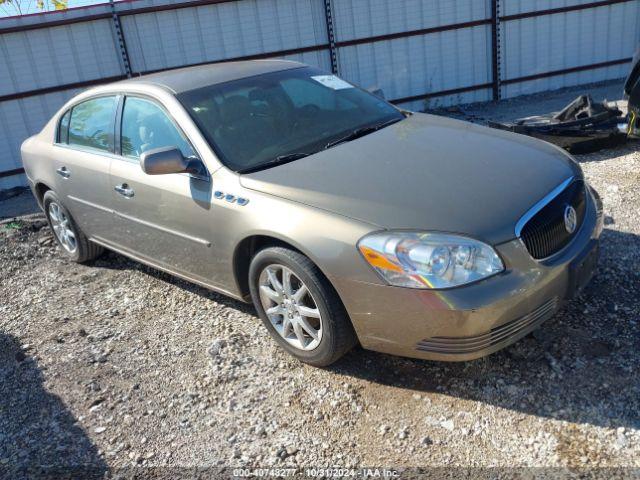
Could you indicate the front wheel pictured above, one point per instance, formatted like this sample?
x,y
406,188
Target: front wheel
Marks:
x,y
299,307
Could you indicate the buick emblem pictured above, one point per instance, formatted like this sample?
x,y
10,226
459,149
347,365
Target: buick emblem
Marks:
x,y
570,219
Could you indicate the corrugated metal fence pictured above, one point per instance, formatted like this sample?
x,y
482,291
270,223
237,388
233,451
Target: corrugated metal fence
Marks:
x,y
421,53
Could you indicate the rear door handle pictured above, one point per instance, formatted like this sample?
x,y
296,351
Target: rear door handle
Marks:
x,y
124,190
63,172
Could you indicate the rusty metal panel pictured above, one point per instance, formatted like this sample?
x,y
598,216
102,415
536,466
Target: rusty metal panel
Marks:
x,y
515,7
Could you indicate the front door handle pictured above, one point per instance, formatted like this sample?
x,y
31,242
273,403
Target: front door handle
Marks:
x,y
63,172
124,190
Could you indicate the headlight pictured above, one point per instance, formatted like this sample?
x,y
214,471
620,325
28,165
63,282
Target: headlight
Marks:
x,y
429,260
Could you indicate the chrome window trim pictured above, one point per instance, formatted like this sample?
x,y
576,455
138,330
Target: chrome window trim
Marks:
x,y
92,151
540,204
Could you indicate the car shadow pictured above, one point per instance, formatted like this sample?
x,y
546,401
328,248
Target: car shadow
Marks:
x,y
580,366
630,146
115,261
39,437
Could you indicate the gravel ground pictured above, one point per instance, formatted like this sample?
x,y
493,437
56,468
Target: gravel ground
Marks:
x,y
114,365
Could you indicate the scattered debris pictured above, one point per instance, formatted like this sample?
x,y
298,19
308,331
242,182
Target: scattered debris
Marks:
x,y
583,126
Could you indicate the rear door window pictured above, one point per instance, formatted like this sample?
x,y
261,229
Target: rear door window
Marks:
x,y
91,124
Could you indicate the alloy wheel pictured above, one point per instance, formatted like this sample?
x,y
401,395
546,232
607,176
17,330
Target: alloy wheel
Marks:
x,y
62,228
290,307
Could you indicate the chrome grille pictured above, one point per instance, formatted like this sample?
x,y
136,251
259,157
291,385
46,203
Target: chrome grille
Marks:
x,y
545,233
502,333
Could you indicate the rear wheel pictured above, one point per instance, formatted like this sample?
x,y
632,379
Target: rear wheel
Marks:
x,y
73,242
299,306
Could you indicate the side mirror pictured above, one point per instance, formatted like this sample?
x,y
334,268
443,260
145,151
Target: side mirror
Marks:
x,y
164,160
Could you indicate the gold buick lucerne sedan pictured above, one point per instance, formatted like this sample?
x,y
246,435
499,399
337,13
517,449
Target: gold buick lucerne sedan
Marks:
x,y
341,217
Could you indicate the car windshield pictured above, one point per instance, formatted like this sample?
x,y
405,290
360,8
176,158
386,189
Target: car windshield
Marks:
x,y
258,122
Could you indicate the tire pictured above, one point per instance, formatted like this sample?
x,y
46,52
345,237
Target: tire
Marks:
x,y
84,250
336,335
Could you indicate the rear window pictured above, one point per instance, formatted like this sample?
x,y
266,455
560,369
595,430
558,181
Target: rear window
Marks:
x,y
91,124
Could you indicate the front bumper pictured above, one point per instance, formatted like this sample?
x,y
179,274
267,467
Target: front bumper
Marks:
x,y
475,320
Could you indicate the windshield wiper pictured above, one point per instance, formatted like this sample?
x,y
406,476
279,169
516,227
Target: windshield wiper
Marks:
x,y
290,157
279,160
361,132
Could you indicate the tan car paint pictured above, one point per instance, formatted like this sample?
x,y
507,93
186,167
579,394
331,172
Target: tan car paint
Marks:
x,y
177,223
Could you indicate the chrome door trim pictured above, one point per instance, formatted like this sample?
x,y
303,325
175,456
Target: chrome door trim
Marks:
x,y
529,214
200,241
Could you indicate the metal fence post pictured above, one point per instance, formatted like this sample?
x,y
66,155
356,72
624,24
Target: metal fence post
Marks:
x,y
495,48
328,12
117,26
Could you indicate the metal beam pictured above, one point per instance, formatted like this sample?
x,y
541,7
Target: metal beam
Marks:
x,y
442,93
60,88
331,38
495,48
11,173
570,8
412,33
117,28
565,71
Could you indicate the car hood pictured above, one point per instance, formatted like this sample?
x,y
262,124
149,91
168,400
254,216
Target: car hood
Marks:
x,y
426,172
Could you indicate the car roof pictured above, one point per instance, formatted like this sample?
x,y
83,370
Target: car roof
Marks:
x,y
190,78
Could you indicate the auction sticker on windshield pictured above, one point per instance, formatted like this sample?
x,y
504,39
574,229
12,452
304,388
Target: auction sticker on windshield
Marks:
x,y
332,81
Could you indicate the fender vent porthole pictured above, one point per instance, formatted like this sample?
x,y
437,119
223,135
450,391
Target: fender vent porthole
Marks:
x,y
230,198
